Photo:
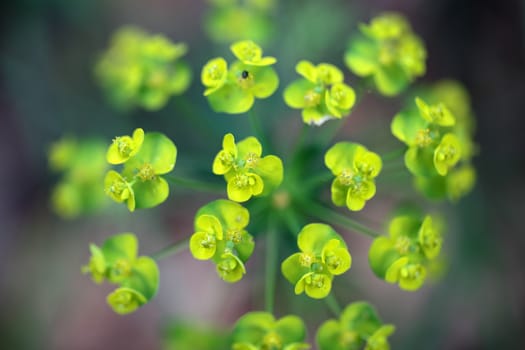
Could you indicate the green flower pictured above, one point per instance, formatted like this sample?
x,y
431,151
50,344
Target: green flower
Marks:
x,y
403,257
355,169
96,266
220,235
430,133
125,300
246,172
228,21
260,330
125,147
321,94
430,238
143,70
234,90
378,340
118,189
82,164
388,51
447,154
117,262
410,275
214,74
323,255
140,183
250,53
358,325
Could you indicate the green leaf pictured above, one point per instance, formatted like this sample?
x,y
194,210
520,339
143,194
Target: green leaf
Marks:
x,y
302,93
378,340
339,192
231,99
248,147
329,74
382,255
121,246
293,268
266,81
361,56
291,329
341,156
144,277
420,161
360,317
245,247
406,126
270,169
437,114
151,193
231,215
307,70
180,78
157,151
314,237
390,80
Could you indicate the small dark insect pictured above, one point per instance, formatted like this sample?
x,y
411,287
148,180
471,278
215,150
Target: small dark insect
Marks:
x,y
244,74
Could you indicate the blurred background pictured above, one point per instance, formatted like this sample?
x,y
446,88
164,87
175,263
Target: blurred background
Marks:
x,y
47,90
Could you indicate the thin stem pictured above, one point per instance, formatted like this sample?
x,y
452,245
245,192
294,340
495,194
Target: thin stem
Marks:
x,y
291,221
318,179
329,215
300,140
257,128
195,184
332,304
392,155
271,266
171,249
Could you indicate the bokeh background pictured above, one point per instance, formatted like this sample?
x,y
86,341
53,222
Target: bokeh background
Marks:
x,y
47,53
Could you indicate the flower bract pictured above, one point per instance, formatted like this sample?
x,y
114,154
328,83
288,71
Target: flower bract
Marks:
x,y
323,255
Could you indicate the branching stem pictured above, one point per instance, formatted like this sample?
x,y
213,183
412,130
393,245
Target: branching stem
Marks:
x,y
171,249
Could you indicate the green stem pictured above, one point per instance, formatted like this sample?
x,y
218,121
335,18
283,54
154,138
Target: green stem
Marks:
x,y
291,221
392,155
257,128
318,179
195,184
171,249
329,215
271,266
333,305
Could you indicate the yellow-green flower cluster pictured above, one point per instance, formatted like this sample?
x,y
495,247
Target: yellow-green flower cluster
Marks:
x,y
323,255
233,89
144,158
140,69
117,262
220,235
261,331
389,52
439,139
246,172
321,94
404,257
358,326
232,20
355,169
83,165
